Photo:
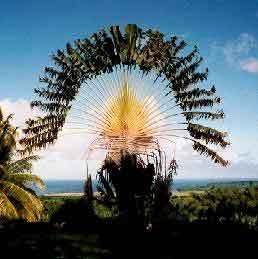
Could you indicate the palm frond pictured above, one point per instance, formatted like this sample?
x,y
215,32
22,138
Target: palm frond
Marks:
x,y
23,179
17,200
7,208
23,165
204,150
207,134
30,204
1,114
107,51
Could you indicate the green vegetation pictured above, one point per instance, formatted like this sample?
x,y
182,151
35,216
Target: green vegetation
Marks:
x,y
52,204
136,190
74,229
225,184
148,51
17,199
218,206
134,214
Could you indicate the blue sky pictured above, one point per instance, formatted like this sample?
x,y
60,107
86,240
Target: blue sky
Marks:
x,y
225,31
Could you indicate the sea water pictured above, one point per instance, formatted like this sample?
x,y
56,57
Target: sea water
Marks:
x,y
77,186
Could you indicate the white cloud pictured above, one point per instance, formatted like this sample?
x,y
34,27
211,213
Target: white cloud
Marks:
x,y
67,158
66,169
207,169
20,109
237,52
235,49
250,65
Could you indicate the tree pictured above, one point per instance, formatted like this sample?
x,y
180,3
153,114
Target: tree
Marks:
x,y
135,188
17,199
147,51
122,121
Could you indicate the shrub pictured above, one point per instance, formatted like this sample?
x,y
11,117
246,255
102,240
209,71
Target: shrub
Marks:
x,y
75,214
218,205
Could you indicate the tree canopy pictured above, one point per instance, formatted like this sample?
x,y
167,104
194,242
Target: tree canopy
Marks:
x,y
17,199
147,50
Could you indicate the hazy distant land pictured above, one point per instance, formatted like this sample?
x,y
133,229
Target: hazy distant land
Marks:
x,y
75,187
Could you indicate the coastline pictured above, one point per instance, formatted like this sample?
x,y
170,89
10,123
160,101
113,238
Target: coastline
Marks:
x,y
179,188
65,194
80,194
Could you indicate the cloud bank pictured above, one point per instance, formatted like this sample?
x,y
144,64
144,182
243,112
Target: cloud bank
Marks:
x,y
250,65
239,52
67,158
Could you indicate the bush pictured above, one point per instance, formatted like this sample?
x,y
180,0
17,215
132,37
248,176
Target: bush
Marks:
x,y
218,205
75,214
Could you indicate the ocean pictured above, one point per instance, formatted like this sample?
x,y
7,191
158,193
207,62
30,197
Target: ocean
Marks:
x,y
76,186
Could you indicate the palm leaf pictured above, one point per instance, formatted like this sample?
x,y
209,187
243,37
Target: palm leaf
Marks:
x,y
7,209
204,150
1,114
147,50
25,179
30,204
23,165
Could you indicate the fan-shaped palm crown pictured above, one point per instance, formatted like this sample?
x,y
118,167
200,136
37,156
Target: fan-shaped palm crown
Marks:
x,y
130,90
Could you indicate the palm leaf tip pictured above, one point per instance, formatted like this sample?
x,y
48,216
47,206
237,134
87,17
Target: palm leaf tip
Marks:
x,y
207,134
204,150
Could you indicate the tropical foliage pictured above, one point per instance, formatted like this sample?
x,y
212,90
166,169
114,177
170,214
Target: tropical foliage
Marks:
x,y
135,189
146,50
17,199
218,206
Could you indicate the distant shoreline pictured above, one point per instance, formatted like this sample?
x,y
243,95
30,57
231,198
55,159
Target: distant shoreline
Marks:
x,y
65,194
80,194
75,188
